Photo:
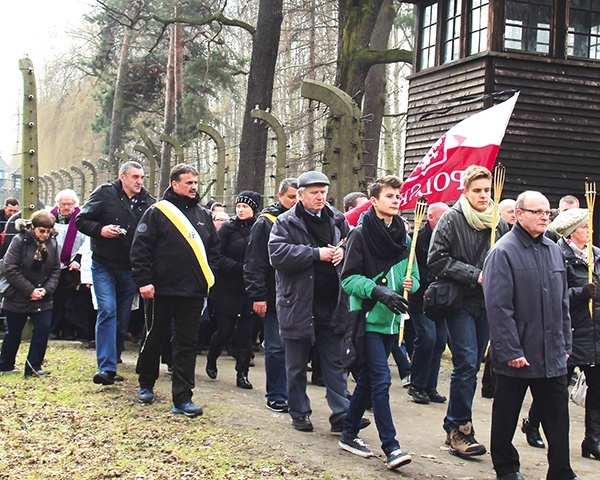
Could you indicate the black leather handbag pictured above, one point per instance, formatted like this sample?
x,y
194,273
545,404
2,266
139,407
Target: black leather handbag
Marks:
x,y
442,297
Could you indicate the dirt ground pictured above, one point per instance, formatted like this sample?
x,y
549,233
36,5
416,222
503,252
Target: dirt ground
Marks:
x,y
419,429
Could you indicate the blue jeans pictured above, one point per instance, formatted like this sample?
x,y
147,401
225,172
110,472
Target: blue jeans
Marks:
x,y
274,358
39,340
468,335
114,290
429,347
373,383
401,359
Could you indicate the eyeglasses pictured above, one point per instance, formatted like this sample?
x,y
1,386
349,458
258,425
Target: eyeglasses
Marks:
x,y
67,204
538,213
43,230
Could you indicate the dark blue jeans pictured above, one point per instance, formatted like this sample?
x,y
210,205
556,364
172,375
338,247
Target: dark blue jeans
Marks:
x,y
274,358
373,383
429,347
114,290
39,340
468,335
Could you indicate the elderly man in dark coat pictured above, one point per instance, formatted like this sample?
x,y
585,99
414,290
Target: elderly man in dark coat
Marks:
x,y
304,249
527,303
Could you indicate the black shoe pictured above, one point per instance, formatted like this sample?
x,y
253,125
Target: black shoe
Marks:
x,y
37,373
437,397
338,427
590,447
511,476
279,406
532,434
118,378
418,395
104,378
211,368
355,446
243,382
397,459
146,395
317,379
188,409
302,423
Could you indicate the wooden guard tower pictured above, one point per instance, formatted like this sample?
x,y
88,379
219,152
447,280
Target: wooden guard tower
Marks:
x,y
547,49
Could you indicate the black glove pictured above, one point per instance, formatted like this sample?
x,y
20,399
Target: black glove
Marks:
x,y
588,290
394,301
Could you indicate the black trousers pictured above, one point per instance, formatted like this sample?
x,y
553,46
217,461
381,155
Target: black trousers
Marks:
x,y
227,324
552,401
184,314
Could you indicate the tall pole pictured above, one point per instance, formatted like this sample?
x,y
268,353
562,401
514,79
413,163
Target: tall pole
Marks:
x,y
29,157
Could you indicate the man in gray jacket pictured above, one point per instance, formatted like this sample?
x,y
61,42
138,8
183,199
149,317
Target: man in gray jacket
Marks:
x,y
305,250
527,303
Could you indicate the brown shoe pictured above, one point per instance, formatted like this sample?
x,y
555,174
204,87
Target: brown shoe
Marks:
x,y
463,443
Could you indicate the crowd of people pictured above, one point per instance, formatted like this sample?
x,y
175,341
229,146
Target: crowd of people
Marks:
x,y
290,276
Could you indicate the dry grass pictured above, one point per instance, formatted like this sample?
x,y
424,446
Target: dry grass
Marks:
x,y
63,426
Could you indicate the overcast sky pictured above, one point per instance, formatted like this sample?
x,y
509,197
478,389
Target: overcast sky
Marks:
x,y
38,29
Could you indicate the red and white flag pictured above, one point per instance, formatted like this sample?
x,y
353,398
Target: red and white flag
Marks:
x,y
438,176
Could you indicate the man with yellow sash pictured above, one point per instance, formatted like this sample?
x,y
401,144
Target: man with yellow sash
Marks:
x,y
174,256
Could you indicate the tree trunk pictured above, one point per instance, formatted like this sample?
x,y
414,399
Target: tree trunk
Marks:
x,y
375,91
169,116
116,121
253,144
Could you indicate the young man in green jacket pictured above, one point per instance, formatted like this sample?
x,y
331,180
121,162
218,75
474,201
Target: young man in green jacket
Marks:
x,y
375,268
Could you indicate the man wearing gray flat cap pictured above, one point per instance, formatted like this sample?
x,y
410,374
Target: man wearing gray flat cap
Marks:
x,y
306,249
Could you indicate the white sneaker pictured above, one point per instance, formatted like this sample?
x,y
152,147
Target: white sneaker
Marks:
x,y
406,381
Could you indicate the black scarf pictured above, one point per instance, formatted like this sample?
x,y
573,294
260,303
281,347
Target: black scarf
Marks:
x,y
243,223
385,242
319,228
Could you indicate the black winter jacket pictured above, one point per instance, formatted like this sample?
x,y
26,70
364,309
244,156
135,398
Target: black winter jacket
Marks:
x,y
17,267
454,245
259,275
586,330
415,300
162,257
109,205
229,293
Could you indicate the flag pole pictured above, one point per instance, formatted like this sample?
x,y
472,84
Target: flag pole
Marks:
x,y
499,177
420,211
590,197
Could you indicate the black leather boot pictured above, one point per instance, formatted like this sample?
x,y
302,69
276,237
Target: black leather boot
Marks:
x,y
533,434
591,442
211,367
242,381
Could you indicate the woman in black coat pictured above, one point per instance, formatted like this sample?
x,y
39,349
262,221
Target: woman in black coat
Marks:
x,y
228,300
573,225
32,267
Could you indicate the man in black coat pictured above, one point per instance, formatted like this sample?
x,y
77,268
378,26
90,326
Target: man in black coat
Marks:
x,y
430,342
527,303
110,217
174,256
259,277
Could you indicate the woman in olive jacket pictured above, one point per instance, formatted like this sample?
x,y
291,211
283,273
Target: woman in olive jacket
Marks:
x,y
32,267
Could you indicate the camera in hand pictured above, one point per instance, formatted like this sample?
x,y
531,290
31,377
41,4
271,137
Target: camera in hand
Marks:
x,y
122,232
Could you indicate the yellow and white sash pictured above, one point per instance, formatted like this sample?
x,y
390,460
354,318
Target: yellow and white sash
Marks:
x,y
190,234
